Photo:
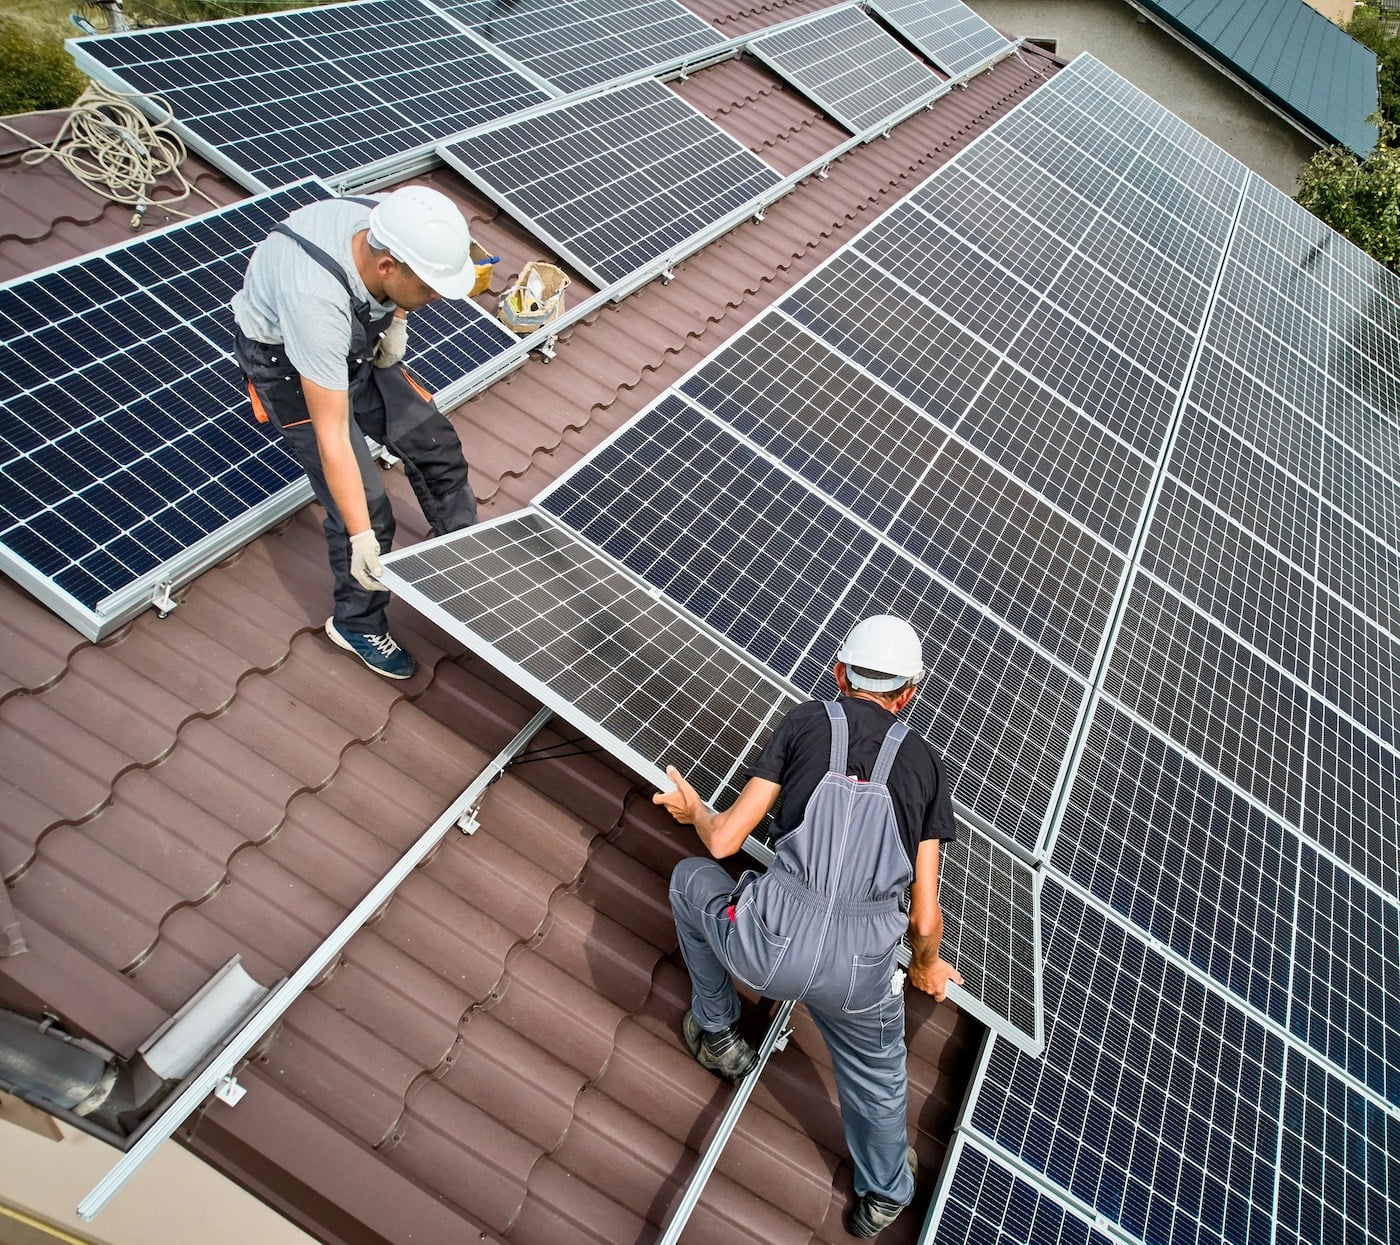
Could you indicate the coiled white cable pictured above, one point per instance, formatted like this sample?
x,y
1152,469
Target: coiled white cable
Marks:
x,y
113,148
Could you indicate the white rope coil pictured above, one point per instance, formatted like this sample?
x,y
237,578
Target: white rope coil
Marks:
x,y
114,149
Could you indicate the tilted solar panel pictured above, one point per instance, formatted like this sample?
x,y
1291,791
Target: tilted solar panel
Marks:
x,y
128,454
574,44
848,66
950,34
315,92
617,181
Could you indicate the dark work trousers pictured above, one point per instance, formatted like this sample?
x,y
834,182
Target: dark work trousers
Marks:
x,y
386,404
821,925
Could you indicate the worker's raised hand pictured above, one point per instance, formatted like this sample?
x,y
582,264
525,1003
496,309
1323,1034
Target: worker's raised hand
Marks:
x,y
934,978
364,561
682,803
392,343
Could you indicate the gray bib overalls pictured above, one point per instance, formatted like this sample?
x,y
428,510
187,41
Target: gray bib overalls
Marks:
x,y
821,925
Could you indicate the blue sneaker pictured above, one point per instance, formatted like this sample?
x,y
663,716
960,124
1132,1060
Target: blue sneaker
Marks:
x,y
379,652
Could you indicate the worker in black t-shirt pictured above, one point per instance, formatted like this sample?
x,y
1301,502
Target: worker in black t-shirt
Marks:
x,y
865,806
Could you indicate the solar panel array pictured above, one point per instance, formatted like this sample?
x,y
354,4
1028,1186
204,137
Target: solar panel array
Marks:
x,y
848,66
616,181
950,34
1113,422
127,449
574,44
314,92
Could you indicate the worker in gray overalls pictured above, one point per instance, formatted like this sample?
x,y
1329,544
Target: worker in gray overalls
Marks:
x,y
321,329
865,806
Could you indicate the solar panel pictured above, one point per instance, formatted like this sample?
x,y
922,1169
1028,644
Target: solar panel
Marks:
x,y
848,66
1112,421
985,1200
617,181
128,457
574,44
315,92
950,34
1156,1101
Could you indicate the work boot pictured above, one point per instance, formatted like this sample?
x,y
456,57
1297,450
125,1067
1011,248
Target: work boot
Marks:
x,y
379,652
872,1214
725,1053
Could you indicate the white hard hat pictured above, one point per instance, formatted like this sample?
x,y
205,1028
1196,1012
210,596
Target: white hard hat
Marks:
x,y
886,649
424,229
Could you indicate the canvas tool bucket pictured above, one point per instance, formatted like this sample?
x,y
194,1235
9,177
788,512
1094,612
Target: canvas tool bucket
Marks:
x,y
535,299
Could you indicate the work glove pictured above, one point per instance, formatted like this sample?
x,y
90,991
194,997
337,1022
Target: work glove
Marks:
x,y
364,561
392,343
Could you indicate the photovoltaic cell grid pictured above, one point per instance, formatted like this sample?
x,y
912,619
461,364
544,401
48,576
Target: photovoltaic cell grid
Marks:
x,y
989,931
987,1202
848,66
730,534
1339,1162
616,181
594,643
1156,1102
575,44
316,92
950,34
126,438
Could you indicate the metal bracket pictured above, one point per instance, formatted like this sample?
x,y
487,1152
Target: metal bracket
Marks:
x,y
469,822
162,599
824,172
229,1091
667,276
758,216
546,347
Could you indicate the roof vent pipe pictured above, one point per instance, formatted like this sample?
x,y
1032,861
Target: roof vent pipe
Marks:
x,y
41,1061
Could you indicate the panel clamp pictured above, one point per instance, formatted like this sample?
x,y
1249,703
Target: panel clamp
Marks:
x,y
229,1091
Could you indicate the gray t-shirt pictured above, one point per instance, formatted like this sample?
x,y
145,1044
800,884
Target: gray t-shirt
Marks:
x,y
287,297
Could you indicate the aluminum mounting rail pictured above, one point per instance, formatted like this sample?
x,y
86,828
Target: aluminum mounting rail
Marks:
x,y
217,1075
774,1039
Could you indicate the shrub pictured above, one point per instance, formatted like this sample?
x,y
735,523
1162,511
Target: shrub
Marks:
x,y
36,71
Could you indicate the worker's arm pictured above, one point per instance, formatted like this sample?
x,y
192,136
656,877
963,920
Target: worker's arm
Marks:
x,y
330,420
722,833
927,969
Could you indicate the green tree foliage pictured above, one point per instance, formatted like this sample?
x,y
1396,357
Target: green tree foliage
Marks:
x,y
1360,199
36,71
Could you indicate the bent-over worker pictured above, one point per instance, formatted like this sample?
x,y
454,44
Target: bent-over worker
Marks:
x,y
865,807
321,332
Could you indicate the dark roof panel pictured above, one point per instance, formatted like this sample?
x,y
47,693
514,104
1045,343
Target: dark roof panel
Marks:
x,y
1294,55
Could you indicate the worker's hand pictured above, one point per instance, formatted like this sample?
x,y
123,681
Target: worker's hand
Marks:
x,y
682,803
364,561
393,343
934,979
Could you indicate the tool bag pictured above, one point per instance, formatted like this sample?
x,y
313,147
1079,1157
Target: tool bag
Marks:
x,y
535,299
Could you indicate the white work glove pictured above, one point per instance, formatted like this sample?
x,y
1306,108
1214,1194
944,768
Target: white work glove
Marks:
x,y
364,561
393,343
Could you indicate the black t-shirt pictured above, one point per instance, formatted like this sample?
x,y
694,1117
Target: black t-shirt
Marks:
x,y
797,754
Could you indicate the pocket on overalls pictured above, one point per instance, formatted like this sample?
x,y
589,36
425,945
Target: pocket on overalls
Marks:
x,y
870,981
755,952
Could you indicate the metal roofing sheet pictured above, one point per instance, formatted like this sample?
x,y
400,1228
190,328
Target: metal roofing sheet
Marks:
x,y
1291,53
